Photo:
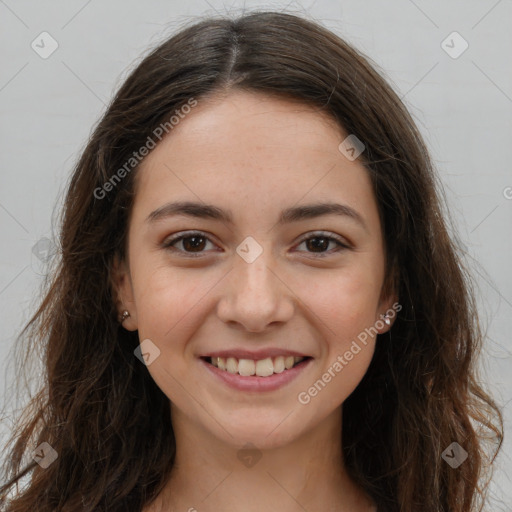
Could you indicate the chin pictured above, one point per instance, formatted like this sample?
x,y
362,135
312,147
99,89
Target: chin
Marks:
x,y
271,432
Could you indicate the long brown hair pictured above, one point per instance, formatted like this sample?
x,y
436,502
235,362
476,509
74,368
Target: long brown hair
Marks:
x,y
99,408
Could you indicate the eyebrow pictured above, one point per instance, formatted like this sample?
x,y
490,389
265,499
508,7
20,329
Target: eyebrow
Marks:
x,y
293,214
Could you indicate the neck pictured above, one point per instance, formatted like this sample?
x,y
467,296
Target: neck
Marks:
x,y
306,473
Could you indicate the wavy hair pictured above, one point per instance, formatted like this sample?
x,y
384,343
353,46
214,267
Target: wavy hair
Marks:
x,y
99,408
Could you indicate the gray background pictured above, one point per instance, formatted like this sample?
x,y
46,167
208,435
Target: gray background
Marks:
x,y
462,106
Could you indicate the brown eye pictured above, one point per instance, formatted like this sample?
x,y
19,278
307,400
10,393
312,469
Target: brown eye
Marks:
x,y
319,243
191,243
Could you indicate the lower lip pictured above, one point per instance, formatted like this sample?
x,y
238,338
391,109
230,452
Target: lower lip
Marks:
x,y
255,383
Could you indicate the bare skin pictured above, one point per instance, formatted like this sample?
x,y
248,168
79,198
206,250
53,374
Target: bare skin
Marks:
x,y
255,156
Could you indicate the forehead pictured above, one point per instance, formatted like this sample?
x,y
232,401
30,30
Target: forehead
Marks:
x,y
251,152
247,123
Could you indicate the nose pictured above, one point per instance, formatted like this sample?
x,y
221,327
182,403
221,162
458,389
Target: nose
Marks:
x,y
255,296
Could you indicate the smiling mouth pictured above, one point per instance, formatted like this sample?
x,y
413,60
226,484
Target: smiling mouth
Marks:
x,y
260,368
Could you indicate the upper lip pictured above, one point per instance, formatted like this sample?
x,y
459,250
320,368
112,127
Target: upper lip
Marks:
x,y
254,354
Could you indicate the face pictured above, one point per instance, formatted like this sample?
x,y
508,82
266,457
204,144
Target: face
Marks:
x,y
257,276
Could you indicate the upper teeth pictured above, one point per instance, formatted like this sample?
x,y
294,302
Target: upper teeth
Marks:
x,y
261,367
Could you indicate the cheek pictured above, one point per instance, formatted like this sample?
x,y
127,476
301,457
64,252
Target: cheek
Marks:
x,y
168,305
349,346
346,302
166,299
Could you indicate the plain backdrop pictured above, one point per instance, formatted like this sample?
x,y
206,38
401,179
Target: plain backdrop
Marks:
x,y
458,87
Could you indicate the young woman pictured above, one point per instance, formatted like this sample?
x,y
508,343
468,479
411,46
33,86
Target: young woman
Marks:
x,y
257,303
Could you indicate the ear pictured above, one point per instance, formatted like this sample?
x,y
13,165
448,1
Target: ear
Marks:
x,y
122,291
388,304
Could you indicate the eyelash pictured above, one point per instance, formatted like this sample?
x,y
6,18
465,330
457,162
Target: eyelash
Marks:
x,y
167,244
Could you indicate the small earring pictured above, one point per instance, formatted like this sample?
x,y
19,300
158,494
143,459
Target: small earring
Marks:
x,y
125,315
387,320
